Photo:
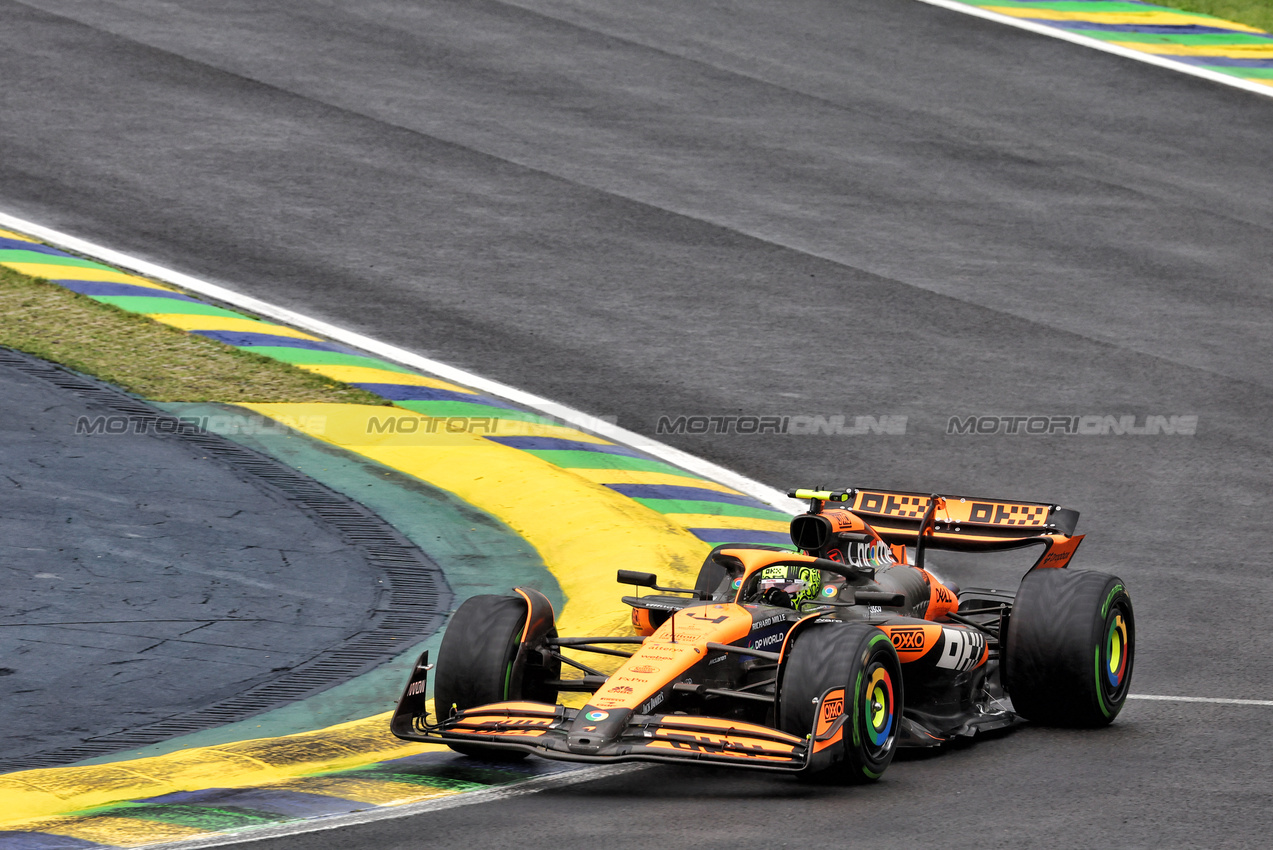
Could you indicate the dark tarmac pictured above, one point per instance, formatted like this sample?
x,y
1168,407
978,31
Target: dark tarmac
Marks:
x,y
858,208
143,580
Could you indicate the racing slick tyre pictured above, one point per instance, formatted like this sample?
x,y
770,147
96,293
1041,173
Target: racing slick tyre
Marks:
x,y
858,664
481,661
1070,647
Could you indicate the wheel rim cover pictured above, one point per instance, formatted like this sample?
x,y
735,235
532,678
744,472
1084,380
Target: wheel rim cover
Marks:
x,y
1116,651
879,707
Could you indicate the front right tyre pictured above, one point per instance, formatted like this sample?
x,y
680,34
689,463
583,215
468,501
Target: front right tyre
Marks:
x,y
856,664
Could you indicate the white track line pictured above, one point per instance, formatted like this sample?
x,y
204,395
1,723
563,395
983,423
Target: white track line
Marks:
x,y
1220,700
468,798
1103,46
569,415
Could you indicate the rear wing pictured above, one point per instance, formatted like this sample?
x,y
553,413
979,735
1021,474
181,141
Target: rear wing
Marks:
x,y
958,523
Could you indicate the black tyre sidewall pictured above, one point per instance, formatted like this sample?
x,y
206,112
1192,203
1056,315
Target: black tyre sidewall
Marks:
x,y
1058,649
475,660
822,657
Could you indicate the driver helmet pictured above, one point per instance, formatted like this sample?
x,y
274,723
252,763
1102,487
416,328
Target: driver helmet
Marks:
x,y
802,584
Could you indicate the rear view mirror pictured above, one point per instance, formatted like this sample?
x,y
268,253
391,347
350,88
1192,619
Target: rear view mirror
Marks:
x,y
638,579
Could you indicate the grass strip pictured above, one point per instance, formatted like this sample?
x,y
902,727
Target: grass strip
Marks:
x,y
147,358
1255,13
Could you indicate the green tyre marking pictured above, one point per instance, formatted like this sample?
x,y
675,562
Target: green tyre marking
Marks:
x,y
857,695
1100,688
1113,592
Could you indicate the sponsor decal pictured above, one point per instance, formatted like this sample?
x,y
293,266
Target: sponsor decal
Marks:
x,y
832,707
769,640
907,639
416,688
873,554
621,689
644,668
830,592
716,659
597,716
736,583
963,650
655,702
1001,514
760,624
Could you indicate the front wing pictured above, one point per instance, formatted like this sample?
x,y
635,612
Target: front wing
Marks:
x,y
545,730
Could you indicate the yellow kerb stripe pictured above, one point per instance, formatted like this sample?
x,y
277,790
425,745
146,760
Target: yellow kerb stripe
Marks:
x,y
226,323
9,234
370,375
1141,18
739,522
51,271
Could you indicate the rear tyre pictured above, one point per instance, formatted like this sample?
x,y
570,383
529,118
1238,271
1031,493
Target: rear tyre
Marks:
x,y
1070,648
859,662
480,662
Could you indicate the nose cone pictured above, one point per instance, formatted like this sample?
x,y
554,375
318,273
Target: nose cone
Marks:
x,y
595,727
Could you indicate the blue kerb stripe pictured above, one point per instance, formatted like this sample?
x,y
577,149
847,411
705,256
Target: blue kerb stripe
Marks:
x,y
406,392
248,339
1225,61
562,444
33,247
688,494
1151,29
294,804
102,287
41,841
736,535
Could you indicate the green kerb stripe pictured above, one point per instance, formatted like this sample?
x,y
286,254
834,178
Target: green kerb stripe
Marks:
x,y
198,817
685,506
1247,73
470,409
148,304
15,255
601,460
1212,39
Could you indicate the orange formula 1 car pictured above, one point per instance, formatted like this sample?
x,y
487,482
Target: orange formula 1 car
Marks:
x,y
821,660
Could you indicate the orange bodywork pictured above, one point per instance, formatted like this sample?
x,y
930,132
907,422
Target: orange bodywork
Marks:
x,y
941,600
672,649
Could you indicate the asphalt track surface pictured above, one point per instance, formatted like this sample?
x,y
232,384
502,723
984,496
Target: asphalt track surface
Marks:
x,y
144,579
839,208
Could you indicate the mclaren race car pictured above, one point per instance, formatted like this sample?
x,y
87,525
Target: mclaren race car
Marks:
x,y
821,660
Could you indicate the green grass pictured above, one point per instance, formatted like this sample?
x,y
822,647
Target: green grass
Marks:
x,y
1255,13
152,360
